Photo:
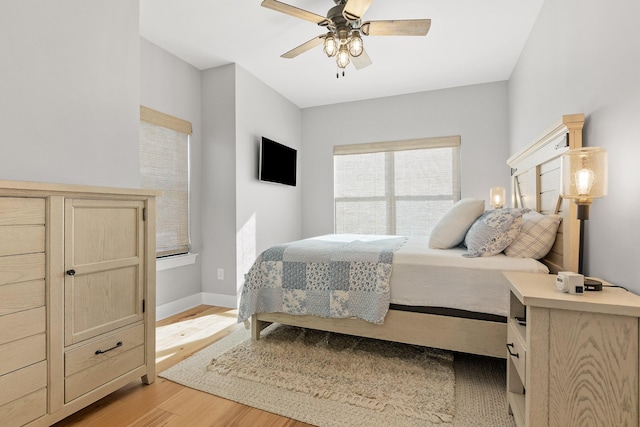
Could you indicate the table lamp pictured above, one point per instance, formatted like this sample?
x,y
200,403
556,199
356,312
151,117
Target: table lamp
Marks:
x,y
584,177
497,196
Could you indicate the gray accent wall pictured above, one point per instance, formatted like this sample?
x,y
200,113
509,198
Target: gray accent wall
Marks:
x,y
583,56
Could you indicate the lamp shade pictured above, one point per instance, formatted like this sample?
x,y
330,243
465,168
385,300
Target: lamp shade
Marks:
x,y
584,174
497,197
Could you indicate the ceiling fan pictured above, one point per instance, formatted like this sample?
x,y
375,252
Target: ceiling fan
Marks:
x,y
345,30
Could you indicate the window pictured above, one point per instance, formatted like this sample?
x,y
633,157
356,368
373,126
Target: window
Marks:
x,y
164,165
400,187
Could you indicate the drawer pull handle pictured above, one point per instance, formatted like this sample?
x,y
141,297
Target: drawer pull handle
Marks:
x,y
509,347
119,344
71,272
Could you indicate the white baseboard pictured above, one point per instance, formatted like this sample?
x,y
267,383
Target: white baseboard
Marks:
x,y
178,306
220,300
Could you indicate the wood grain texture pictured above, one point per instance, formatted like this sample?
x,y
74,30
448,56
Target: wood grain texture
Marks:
x,y
104,245
21,296
24,409
23,352
593,378
445,332
109,234
22,382
582,356
22,324
536,185
22,268
21,239
537,369
170,404
101,373
21,211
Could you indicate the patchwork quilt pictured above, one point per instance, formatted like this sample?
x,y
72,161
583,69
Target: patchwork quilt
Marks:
x,y
344,276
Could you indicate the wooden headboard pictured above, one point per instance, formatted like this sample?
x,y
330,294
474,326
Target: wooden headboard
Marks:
x,y
536,185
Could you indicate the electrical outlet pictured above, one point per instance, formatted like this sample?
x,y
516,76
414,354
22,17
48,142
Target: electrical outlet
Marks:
x,y
221,274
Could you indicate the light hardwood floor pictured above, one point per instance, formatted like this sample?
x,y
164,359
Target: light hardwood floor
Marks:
x,y
165,403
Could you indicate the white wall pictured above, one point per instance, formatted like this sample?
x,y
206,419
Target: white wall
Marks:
x,y
172,86
477,113
70,91
266,214
583,57
242,216
219,181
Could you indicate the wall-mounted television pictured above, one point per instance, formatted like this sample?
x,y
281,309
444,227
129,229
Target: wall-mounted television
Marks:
x,y
277,162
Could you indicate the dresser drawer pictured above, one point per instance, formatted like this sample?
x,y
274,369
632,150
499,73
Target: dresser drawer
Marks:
x,y
22,268
100,361
24,352
22,324
22,382
24,409
517,351
21,210
21,239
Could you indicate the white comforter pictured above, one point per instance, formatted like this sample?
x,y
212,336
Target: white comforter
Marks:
x,y
444,278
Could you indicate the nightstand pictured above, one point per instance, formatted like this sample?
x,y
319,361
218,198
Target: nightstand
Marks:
x,y
573,359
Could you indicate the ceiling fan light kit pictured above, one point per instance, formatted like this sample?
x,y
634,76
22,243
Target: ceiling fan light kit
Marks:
x,y
344,38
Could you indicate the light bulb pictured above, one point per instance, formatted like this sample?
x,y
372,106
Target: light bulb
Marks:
x,y
330,45
343,57
584,181
355,44
497,196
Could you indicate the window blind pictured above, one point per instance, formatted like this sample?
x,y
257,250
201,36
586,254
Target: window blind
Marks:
x,y
397,187
164,165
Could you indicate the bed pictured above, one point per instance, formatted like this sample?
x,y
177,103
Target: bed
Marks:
x,y
435,304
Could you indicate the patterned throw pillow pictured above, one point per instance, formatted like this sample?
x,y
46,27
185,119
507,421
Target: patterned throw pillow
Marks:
x,y
493,232
536,236
454,224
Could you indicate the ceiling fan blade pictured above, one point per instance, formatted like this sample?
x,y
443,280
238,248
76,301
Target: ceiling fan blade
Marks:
x,y
304,47
355,9
361,61
408,27
293,11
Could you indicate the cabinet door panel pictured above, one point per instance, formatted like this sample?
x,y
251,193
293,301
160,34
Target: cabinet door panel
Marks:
x,y
103,257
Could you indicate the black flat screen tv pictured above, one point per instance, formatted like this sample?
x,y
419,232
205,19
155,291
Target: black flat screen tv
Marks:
x,y
277,162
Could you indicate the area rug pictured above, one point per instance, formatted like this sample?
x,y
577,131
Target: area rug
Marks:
x,y
329,379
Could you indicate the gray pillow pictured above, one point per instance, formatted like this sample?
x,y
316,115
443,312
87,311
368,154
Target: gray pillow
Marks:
x,y
493,232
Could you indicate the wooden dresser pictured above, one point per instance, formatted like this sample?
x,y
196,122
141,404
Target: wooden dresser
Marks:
x,y
77,297
575,359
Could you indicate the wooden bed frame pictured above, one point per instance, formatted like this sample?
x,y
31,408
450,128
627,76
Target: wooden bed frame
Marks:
x,y
536,185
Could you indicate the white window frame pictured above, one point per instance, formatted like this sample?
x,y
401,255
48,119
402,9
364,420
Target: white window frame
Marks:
x,y
389,148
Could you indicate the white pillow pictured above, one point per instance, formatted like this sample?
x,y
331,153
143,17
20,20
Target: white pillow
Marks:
x,y
536,236
493,232
454,224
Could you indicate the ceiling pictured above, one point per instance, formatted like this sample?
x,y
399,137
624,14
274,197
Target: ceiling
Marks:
x,y
470,42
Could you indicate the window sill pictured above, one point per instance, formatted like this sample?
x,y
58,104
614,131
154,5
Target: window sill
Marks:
x,y
175,261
